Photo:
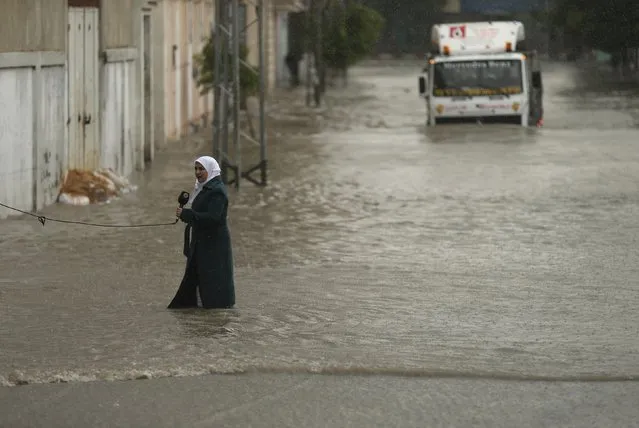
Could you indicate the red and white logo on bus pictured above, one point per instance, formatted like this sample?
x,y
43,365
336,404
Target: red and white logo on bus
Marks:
x,y
458,32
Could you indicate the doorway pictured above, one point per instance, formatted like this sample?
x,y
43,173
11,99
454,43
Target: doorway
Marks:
x,y
83,76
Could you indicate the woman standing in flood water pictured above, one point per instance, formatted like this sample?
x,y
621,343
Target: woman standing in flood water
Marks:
x,y
207,243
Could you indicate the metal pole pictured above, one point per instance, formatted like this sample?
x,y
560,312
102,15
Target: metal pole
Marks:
x,y
235,36
228,90
319,50
217,72
262,92
224,107
309,49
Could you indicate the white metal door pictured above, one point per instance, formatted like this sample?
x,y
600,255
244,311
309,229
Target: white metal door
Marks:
x,y
76,87
91,89
189,63
84,141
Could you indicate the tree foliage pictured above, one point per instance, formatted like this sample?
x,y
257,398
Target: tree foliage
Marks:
x,y
407,24
349,33
363,28
607,25
206,79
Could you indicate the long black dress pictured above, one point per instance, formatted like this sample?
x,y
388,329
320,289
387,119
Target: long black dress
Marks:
x,y
207,246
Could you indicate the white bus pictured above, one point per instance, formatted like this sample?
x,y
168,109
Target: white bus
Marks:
x,y
481,71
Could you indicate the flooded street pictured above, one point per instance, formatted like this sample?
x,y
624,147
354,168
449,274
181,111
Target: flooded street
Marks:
x,y
378,247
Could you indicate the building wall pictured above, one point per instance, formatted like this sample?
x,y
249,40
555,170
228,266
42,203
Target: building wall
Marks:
x,y
33,102
252,35
270,40
138,130
187,24
159,78
202,24
33,25
281,48
117,23
184,62
38,91
270,46
253,40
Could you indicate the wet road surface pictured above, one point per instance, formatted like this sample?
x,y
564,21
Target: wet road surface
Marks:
x,y
380,247
300,400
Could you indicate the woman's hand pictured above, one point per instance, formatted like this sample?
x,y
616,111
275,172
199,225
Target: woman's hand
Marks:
x,y
178,212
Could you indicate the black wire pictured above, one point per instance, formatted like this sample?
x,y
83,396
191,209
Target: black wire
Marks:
x,y
43,219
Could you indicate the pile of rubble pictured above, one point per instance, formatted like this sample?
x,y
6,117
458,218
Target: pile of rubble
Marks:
x,y
82,187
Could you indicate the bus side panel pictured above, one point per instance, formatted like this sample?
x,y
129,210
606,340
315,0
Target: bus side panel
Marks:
x,y
535,89
430,119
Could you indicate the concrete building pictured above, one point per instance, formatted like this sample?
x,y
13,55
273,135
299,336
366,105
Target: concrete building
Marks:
x,y
32,102
186,26
101,83
76,79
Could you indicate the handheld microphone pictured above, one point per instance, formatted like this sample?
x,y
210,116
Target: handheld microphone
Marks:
x,y
183,199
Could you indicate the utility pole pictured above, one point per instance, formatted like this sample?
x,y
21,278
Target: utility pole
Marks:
x,y
310,57
319,49
227,133
549,29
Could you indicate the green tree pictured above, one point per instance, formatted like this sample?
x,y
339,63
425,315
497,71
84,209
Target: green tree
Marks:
x,y
609,26
363,28
349,33
206,80
407,24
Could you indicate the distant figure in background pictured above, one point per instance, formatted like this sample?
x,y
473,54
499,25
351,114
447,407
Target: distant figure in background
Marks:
x,y
293,63
207,243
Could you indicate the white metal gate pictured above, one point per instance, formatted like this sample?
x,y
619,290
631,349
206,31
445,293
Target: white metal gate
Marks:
x,y
83,49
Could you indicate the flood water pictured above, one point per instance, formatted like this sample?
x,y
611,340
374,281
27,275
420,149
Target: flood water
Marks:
x,y
378,247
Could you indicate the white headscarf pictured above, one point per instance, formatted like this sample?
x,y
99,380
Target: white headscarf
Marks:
x,y
212,168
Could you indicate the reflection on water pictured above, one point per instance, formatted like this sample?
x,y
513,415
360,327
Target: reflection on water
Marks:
x,y
379,246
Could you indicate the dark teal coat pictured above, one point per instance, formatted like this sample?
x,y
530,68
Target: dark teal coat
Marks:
x,y
207,246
